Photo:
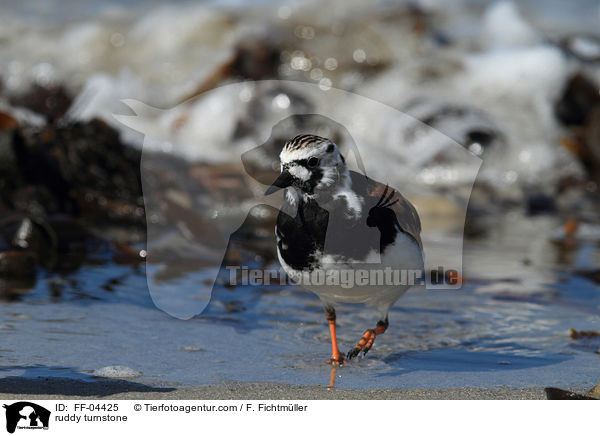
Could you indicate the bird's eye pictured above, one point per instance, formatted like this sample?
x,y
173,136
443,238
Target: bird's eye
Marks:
x,y
312,162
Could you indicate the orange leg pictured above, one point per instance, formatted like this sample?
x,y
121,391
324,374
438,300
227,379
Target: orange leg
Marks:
x,y
336,356
367,340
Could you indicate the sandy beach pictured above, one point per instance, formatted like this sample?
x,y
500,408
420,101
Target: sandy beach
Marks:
x,y
138,251
16,388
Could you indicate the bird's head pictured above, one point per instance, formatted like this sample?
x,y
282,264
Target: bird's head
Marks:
x,y
311,164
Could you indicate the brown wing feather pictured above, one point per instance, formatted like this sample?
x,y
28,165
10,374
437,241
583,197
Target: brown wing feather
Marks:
x,y
408,218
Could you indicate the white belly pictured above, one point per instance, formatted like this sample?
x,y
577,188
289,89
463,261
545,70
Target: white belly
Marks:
x,y
374,284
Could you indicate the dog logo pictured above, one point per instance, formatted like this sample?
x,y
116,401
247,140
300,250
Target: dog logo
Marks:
x,y
26,415
189,223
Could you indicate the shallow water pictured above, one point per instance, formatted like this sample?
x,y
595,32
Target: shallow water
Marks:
x,y
508,326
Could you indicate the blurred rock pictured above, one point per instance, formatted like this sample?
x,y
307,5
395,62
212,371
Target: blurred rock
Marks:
x,y
561,394
585,340
471,127
52,102
69,241
17,264
590,142
582,334
579,108
14,288
253,58
57,243
81,169
61,184
578,99
256,58
8,167
593,275
7,121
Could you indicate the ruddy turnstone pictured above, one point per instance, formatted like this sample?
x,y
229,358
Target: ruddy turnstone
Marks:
x,y
334,220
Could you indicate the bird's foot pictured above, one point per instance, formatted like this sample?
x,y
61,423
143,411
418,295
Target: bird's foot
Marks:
x,y
337,361
364,345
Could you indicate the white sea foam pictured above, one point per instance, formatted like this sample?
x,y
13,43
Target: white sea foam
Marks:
x,y
502,70
116,371
509,87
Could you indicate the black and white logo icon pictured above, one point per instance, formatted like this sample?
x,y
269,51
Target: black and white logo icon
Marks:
x,y
26,415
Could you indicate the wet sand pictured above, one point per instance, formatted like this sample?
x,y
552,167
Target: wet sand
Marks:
x,y
15,388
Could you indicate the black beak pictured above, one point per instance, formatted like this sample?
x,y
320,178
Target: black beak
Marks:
x,y
283,181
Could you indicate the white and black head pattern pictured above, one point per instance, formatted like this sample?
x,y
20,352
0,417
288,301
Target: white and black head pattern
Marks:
x,y
313,164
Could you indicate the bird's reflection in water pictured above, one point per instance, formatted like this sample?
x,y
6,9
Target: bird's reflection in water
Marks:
x,y
332,376
334,369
